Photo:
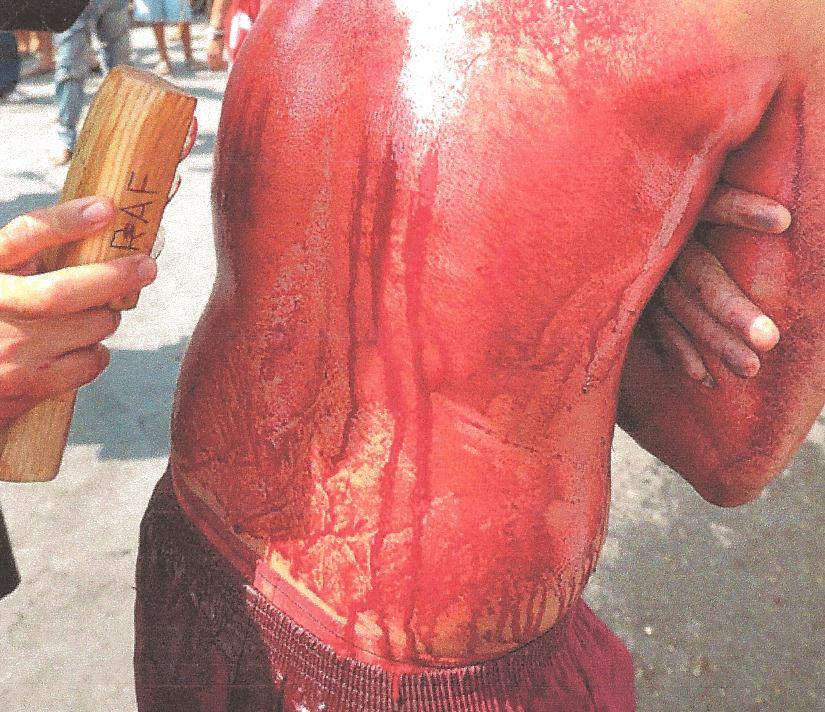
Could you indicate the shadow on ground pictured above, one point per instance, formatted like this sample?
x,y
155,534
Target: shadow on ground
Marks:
x,y
10,209
126,410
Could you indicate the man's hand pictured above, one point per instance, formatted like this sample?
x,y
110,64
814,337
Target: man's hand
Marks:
x,y
699,302
51,324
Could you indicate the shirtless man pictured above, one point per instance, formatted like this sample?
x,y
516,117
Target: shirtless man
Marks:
x,y
437,225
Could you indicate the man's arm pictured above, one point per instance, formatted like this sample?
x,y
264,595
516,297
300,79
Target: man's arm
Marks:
x,y
729,441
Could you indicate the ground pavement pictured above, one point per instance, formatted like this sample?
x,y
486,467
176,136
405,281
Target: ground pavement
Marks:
x,y
722,609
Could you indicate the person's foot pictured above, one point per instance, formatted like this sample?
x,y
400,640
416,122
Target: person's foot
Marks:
x,y
37,70
60,156
163,68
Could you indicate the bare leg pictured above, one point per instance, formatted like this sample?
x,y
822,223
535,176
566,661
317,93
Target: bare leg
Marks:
x,y
164,66
45,51
186,40
46,47
23,41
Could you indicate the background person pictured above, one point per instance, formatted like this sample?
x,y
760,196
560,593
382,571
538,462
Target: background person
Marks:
x,y
109,21
160,13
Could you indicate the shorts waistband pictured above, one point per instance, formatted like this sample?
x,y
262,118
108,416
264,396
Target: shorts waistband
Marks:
x,y
579,665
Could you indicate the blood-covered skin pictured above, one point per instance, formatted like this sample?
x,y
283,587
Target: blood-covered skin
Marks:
x,y
437,224
731,443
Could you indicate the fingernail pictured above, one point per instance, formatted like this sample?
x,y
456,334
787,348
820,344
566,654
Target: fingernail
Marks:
x,y
763,333
749,366
191,135
147,270
775,219
96,212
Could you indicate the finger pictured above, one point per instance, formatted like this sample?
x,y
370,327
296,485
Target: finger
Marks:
x,y
33,382
703,327
173,191
677,343
732,206
699,270
28,234
190,138
75,289
38,339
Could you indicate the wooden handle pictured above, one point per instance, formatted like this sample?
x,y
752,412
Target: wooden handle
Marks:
x,y
128,149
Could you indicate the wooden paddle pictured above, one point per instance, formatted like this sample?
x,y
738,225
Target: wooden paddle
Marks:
x,y
129,149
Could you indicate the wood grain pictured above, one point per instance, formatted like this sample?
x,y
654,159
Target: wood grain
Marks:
x,y
128,149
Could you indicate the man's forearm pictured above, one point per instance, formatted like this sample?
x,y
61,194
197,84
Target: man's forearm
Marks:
x,y
731,440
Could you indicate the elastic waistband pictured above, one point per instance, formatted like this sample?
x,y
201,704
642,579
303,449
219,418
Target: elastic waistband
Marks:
x,y
577,666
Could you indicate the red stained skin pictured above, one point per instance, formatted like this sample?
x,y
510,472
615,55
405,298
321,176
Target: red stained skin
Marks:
x,y
730,442
435,232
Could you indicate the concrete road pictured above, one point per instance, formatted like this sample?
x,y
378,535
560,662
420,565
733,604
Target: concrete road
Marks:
x,y
722,609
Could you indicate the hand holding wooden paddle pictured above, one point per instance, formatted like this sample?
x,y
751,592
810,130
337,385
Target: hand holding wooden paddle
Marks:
x,y
91,255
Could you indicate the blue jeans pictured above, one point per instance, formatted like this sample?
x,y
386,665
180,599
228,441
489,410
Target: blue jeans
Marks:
x,y
109,20
9,63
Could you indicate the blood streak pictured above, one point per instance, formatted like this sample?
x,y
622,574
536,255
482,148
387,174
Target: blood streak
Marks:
x,y
382,223
354,260
415,246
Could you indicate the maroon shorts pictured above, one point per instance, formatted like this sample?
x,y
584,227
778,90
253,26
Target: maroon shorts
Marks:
x,y
207,640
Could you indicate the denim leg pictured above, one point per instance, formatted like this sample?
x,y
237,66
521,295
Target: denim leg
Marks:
x,y
70,78
113,26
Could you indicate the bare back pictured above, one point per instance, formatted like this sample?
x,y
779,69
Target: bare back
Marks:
x,y
436,229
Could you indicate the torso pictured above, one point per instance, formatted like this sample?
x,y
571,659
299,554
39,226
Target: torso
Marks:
x,y
436,229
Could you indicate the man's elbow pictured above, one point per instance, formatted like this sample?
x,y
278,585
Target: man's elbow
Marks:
x,y
734,483
727,473
728,496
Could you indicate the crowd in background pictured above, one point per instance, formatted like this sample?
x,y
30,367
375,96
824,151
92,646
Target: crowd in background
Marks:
x,y
100,39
